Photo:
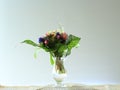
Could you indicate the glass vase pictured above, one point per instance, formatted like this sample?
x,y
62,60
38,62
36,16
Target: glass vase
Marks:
x,y
59,71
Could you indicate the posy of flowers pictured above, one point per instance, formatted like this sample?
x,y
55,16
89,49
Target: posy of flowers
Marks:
x,y
57,42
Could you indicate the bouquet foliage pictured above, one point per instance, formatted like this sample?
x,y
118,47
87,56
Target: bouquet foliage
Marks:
x,y
57,43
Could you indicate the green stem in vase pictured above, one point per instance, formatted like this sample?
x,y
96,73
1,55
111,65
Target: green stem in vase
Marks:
x,y
59,65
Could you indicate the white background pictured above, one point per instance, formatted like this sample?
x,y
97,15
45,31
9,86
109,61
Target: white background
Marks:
x,y
97,22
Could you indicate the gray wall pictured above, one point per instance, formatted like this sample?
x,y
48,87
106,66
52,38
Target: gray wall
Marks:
x,y
97,22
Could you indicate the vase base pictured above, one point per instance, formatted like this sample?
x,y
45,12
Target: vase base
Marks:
x,y
59,85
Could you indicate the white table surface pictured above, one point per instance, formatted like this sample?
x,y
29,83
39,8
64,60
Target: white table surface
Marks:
x,y
49,87
69,87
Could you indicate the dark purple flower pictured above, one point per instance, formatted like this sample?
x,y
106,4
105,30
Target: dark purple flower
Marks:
x,y
57,33
41,39
58,36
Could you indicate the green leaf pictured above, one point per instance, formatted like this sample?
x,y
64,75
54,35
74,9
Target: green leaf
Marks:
x,y
62,49
35,53
51,59
73,41
30,42
68,52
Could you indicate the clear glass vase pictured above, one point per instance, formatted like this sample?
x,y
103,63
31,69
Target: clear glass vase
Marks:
x,y
59,71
